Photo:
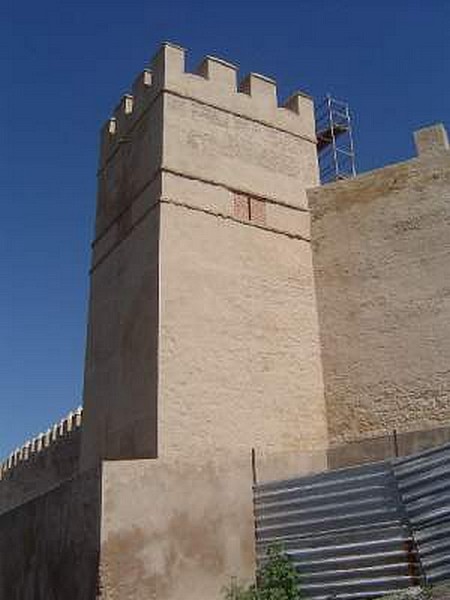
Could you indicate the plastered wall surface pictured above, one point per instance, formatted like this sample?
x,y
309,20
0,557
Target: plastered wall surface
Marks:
x,y
49,546
173,529
239,349
245,155
381,249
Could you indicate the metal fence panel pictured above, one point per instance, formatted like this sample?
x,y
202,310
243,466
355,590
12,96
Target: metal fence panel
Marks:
x,y
344,530
424,485
364,531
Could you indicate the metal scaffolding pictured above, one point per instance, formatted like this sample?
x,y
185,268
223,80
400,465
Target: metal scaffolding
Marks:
x,y
334,140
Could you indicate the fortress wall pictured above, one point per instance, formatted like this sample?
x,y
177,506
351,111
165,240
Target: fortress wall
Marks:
x,y
42,472
41,464
381,249
49,546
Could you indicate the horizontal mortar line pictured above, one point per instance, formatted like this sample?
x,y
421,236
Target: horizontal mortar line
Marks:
x,y
202,180
118,242
240,115
134,198
212,213
235,190
187,206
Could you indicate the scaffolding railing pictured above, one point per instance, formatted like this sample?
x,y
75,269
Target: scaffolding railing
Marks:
x,y
335,145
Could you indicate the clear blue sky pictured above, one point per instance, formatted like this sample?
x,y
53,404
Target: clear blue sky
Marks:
x,y
64,66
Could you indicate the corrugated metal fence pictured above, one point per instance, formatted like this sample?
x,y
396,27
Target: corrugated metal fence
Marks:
x,y
356,532
424,485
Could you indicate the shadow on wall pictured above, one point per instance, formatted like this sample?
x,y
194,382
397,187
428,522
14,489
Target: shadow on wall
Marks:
x,y
385,447
49,547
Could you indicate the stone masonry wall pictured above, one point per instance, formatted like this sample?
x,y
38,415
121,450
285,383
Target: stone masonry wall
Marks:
x,y
381,250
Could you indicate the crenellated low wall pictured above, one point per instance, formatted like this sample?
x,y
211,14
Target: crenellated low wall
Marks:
x,y
42,463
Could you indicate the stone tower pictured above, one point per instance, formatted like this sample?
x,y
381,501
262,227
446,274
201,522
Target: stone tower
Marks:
x,y
203,346
203,333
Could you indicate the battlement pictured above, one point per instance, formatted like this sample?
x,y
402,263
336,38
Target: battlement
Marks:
x,y
431,141
40,443
214,83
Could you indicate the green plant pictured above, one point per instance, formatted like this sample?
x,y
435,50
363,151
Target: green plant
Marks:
x,y
238,591
277,579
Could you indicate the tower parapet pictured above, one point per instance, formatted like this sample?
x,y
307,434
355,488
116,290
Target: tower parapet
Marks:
x,y
431,141
214,83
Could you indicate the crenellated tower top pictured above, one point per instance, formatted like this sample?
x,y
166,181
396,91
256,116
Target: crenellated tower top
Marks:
x,y
215,83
